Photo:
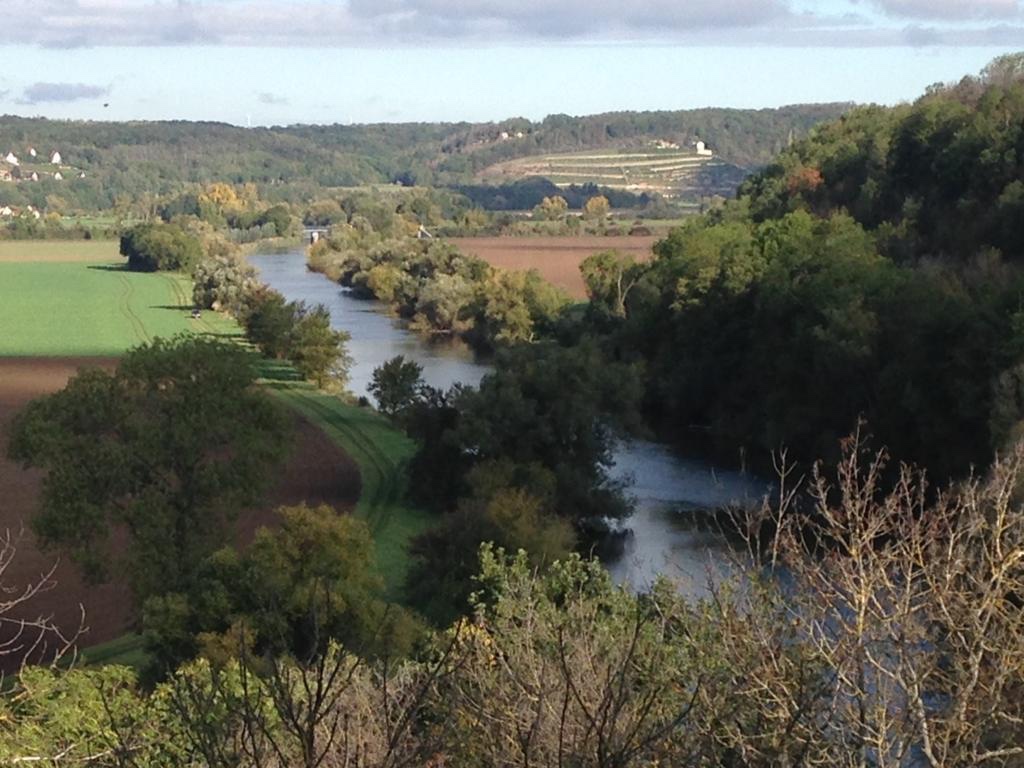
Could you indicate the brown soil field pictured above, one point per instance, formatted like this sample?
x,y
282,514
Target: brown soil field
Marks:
x,y
316,472
556,258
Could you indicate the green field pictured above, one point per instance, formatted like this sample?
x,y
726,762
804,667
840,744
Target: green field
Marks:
x,y
50,309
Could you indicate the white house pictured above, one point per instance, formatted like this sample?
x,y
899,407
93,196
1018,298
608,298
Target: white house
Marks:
x,y
32,151
702,150
12,159
81,175
55,158
33,177
6,211
30,211
58,176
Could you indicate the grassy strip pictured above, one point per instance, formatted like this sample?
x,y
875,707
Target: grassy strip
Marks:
x,y
382,453
124,651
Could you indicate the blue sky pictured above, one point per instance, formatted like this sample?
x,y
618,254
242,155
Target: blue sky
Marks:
x,y
287,61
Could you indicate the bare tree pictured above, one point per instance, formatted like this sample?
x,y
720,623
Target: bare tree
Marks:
x,y
38,639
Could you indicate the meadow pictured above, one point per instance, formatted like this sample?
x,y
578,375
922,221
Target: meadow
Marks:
x,y
77,308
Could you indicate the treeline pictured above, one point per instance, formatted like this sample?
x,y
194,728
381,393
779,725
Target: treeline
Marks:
x,y
525,194
565,668
432,284
127,164
873,271
747,138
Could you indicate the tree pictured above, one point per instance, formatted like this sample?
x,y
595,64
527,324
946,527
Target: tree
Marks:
x,y
160,247
396,384
269,320
223,282
318,351
170,446
610,276
597,208
551,208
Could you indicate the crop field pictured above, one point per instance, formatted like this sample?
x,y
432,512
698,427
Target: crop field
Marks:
x,y
58,251
675,173
56,309
557,259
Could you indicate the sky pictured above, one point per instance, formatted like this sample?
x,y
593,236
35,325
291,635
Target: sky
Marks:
x,y
276,62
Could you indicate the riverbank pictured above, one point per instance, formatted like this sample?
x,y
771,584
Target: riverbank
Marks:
x,y
667,489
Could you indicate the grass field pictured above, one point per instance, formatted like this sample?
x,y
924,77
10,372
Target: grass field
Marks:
x,y
59,251
51,309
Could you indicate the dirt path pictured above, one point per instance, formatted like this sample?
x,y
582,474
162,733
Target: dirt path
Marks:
x,y
317,472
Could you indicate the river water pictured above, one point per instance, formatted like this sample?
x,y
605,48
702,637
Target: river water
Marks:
x,y
668,491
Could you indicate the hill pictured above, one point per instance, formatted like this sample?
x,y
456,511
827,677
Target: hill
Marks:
x,y
671,173
132,161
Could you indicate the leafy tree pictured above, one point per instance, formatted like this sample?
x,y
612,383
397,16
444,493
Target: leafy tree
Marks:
x,y
223,282
396,385
308,581
610,276
551,208
317,350
269,321
160,247
597,208
170,446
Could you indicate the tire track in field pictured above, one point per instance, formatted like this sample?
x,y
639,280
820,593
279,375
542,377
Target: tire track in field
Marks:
x,y
387,489
183,300
138,327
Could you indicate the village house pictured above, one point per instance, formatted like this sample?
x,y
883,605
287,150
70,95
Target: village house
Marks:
x,y
12,159
30,211
33,176
6,211
702,149
58,176
6,175
55,158
32,152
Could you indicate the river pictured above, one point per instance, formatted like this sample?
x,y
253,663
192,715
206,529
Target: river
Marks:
x,y
668,491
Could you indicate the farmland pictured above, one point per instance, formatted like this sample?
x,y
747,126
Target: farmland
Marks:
x,y
100,251
673,173
557,259
61,308
65,306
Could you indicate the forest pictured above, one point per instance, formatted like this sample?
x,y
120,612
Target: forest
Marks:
x,y
872,271
128,164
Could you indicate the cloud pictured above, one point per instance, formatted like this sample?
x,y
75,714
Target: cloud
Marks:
x,y
951,10
271,98
348,23
46,93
